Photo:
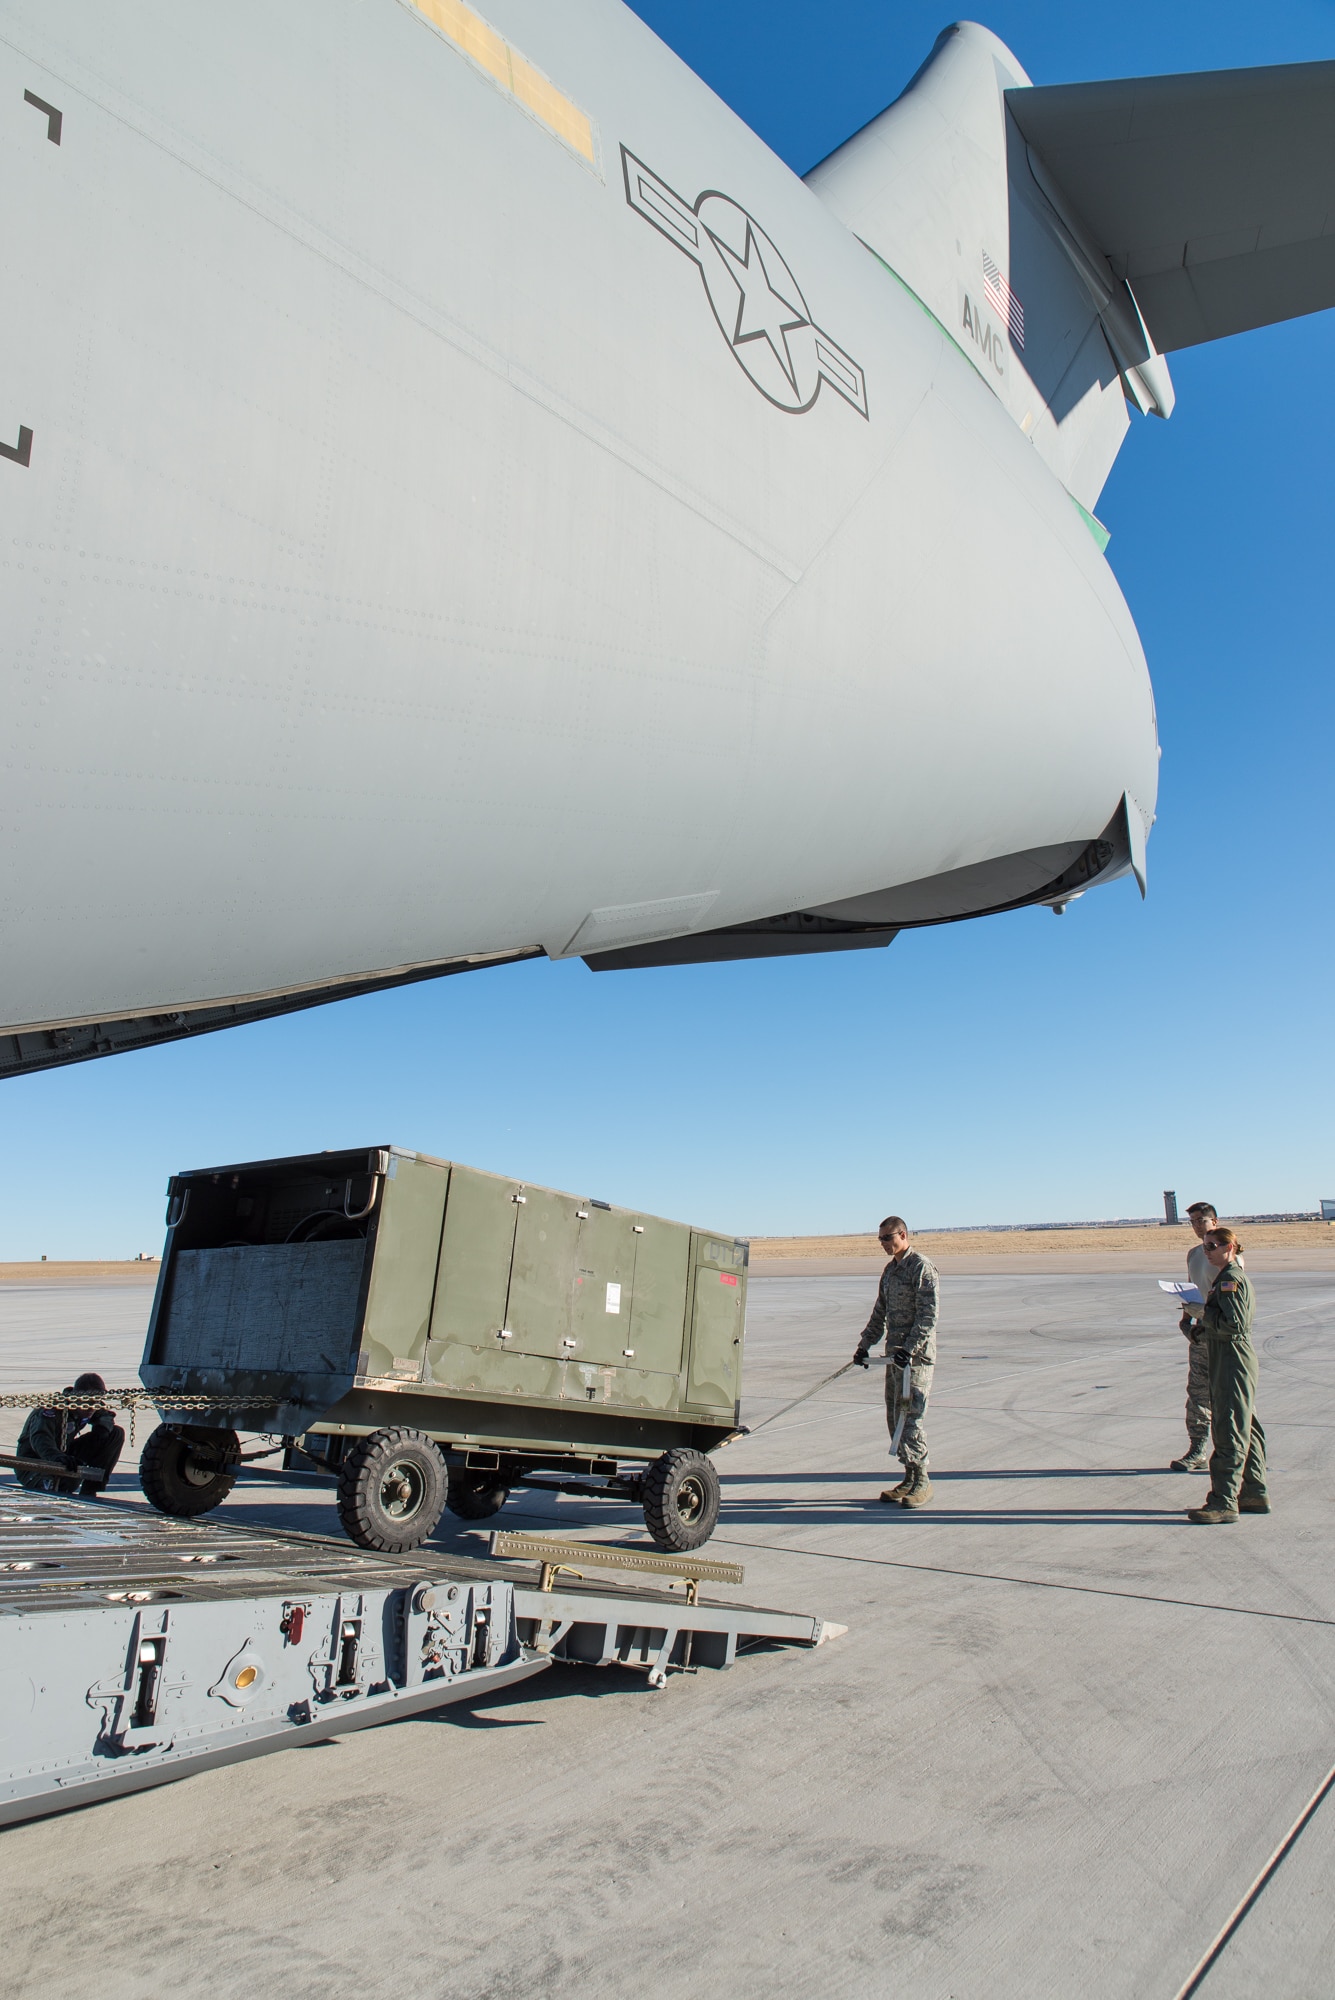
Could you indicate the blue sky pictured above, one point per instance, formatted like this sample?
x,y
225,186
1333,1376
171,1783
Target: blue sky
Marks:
x,y
1023,1067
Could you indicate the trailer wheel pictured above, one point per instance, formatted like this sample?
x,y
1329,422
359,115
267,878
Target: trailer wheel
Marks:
x,y
391,1490
681,1499
186,1469
475,1496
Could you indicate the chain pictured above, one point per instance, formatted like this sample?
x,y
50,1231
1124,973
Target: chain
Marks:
x,y
119,1399
134,1400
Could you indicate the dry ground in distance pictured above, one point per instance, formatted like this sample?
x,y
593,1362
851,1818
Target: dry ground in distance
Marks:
x,y
127,1271
1155,1247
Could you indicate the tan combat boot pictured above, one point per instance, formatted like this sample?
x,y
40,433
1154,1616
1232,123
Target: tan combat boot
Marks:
x,y
896,1493
1212,1513
919,1487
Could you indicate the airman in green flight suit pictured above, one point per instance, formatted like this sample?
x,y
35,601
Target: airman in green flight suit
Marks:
x,y
1237,1462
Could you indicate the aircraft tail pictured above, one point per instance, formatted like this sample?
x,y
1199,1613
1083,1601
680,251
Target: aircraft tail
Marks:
x,y
1066,236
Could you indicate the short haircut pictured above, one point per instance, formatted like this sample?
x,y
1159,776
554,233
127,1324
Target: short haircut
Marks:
x,y
90,1384
892,1223
1203,1208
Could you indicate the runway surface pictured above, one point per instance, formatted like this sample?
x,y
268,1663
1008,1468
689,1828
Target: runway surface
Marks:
x,y
1063,1734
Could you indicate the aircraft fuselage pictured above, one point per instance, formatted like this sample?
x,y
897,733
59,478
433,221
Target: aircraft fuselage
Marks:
x,y
426,549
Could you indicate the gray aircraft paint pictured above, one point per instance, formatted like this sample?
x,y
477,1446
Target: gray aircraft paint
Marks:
x,y
405,568
934,186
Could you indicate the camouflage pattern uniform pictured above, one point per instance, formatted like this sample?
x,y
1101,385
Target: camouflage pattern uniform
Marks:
x,y
44,1436
1237,1463
68,1437
905,1315
1201,1272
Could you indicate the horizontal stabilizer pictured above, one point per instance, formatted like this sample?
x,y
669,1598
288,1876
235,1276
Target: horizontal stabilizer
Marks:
x,y
1211,195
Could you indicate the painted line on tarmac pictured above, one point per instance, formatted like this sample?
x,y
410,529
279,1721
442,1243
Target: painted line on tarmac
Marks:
x,y
1203,1966
1030,1582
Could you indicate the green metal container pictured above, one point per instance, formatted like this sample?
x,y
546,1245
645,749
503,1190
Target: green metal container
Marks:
x,y
335,1295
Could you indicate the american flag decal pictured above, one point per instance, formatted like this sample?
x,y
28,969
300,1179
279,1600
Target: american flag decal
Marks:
x,y
1002,299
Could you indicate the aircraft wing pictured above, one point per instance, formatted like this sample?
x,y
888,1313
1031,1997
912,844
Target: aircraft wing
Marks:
x,y
1212,195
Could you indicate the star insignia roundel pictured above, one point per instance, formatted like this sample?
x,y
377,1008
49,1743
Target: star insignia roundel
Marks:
x,y
755,298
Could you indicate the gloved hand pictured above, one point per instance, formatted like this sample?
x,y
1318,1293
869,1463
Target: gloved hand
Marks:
x,y
901,1357
1187,1325
860,1358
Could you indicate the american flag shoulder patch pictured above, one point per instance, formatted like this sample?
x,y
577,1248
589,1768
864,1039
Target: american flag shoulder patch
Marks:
x,y
1229,1285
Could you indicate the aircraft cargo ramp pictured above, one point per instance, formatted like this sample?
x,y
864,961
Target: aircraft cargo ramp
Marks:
x,y
138,1649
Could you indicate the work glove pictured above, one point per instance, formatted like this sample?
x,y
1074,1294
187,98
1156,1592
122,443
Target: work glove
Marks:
x,y
902,1358
1187,1325
860,1358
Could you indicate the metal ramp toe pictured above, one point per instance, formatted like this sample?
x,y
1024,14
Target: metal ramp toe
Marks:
x,y
651,1630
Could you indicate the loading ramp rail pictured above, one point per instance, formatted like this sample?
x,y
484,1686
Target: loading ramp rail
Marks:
x,y
136,1649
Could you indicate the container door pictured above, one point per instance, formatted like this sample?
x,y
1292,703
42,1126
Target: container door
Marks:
x,y
537,1313
403,1269
604,1287
476,1249
658,1304
715,1370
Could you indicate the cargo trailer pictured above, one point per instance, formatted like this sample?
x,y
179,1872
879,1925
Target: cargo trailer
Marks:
x,y
431,1336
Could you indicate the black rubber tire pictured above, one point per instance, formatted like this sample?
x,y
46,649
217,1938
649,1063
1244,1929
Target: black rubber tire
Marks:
x,y
391,1490
681,1499
188,1469
475,1496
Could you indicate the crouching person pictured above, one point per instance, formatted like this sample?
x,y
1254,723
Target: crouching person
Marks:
x,y
70,1437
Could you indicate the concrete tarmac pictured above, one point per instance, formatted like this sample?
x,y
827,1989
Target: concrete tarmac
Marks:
x,y
1063,1734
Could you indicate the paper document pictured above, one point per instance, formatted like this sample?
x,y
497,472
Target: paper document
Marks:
x,y
1190,1295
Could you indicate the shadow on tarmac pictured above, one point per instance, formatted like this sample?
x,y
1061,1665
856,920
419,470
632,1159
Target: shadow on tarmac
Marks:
x,y
466,1717
938,1478
569,1678
1046,1517
745,1507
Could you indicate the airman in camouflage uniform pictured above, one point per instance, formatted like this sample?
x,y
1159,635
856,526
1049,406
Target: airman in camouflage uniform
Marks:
x,y
87,1441
905,1316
